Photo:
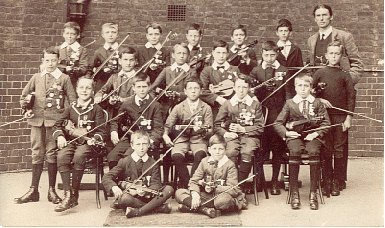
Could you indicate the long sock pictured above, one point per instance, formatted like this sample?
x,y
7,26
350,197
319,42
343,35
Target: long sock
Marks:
x,y
314,173
181,168
339,169
244,170
276,169
166,167
37,169
293,173
157,201
76,179
52,173
65,177
197,159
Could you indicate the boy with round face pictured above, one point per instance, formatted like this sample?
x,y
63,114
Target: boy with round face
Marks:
x,y
303,106
215,174
80,118
193,139
136,201
73,58
53,92
339,92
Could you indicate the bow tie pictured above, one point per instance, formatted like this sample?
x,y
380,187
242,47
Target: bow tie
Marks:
x,y
82,106
270,66
220,67
110,49
178,69
214,163
195,48
241,101
142,102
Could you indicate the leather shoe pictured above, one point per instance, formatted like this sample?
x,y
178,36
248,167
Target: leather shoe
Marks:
x,y
183,208
275,190
132,212
31,196
295,202
335,188
326,189
66,203
75,198
211,212
52,195
313,201
342,185
165,208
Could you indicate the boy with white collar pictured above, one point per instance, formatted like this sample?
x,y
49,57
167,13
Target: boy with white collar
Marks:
x,y
73,58
75,121
110,33
215,174
53,92
194,37
303,107
137,202
240,122
162,57
272,69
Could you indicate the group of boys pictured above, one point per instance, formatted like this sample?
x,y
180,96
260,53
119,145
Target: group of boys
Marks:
x,y
210,106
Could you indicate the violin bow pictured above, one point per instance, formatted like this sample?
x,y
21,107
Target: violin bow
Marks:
x,y
380,121
321,128
110,56
283,84
90,43
13,121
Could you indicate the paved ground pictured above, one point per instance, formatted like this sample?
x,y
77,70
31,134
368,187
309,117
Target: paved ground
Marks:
x,y
361,204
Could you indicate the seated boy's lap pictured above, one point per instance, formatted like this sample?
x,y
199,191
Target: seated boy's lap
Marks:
x,y
185,144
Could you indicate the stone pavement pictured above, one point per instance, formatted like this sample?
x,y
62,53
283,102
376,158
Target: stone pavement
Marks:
x,y
361,204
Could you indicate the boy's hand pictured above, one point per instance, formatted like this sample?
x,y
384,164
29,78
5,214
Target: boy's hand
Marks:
x,y
195,200
117,191
28,114
98,100
311,136
326,103
196,128
230,135
114,137
153,66
68,68
220,100
292,134
234,127
168,140
61,142
347,123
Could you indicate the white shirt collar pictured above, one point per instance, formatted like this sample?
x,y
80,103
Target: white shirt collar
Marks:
x,y
157,46
226,65
280,43
136,157
275,65
221,162
128,74
235,100
75,46
190,47
83,105
232,49
185,67
297,99
326,32
56,73
114,46
137,99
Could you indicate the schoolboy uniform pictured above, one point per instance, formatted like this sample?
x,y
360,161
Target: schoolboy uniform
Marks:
x,y
242,66
76,56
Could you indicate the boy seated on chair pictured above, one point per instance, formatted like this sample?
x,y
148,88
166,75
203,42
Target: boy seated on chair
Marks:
x,y
147,194
214,177
303,122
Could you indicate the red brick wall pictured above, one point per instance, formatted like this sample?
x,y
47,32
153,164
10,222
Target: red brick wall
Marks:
x,y
29,26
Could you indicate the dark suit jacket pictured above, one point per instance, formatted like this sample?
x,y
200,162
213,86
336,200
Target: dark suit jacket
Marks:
x,y
145,54
64,58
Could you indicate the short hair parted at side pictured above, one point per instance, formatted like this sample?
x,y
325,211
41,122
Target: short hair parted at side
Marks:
x,y
244,77
305,77
217,139
154,25
220,43
129,50
72,25
183,45
140,77
193,79
194,26
323,6
110,25
239,26
138,134
284,23
51,50
269,46
86,77
336,43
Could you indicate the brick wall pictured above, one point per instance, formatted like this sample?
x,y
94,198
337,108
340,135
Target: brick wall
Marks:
x,y
29,26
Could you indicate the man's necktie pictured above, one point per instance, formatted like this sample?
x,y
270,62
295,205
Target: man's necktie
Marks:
x,y
178,69
139,166
142,102
322,36
195,48
305,110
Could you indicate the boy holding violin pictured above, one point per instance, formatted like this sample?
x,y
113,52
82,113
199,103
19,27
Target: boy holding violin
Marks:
x,y
196,57
193,139
272,74
242,55
303,136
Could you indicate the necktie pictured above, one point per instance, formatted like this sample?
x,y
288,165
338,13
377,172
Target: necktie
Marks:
x,y
323,36
214,163
178,69
139,166
142,102
195,48
124,86
220,67
110,49
304,108
69,51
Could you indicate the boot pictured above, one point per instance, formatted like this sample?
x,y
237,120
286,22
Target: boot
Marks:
x,y
313,201
31,196
326,190
342,185
274,188
183,208
66,203
295,201
75,198
211,212
335,188
274,179
76,180
52,195
244,170
164,208
132,212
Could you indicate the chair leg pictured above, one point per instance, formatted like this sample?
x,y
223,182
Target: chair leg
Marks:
x,y
288,198
262,175
255,181
320,192
97,181
101,176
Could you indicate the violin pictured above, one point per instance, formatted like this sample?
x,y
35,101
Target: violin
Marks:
x,y
279,76
243,49
139,185
197,122
114,100
224,88
174,95
29,102
76,132
321,86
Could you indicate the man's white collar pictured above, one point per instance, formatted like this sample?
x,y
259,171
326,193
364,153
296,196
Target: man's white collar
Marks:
x,y
327,32
56,73
114,46
221,162
156,46
226,65
136,157
235,100
280,43
75,46
128,74
137,99
234,47
185,67
275,65
297,99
